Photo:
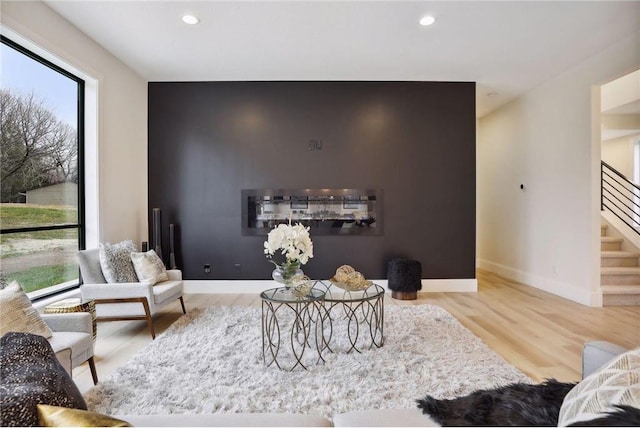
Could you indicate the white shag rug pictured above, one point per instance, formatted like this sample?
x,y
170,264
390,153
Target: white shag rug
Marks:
x,y
210,360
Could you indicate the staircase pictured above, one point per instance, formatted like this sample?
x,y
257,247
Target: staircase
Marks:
x,y
619,272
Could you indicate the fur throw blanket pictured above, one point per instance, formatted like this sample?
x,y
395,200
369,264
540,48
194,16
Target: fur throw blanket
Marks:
x,y
518,404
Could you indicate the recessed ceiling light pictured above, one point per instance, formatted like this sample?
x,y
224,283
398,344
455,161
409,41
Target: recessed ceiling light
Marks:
x,y
427,20
190,19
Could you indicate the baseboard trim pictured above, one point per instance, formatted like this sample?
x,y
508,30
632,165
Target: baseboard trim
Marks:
x,y
223,286
558,288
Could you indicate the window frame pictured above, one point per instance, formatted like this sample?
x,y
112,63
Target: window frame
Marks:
x,y
80,126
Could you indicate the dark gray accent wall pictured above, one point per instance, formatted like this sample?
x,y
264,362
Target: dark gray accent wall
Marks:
x,y
413,140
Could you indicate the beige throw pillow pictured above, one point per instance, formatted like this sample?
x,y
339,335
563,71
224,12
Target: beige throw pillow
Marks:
x,y
115,262
149,267
18,314
618,382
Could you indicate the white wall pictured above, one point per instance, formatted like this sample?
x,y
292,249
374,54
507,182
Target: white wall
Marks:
x,y
621,91
618,153
547,234
120,164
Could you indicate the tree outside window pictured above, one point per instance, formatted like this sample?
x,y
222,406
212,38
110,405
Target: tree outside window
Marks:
x,y
40,172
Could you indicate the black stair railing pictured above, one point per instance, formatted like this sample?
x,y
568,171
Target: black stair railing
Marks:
x,y
620,196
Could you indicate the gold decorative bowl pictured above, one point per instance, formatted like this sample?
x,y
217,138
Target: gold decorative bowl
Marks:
x,y
353,286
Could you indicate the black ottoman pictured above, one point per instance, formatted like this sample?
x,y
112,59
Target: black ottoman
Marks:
x,y
404,278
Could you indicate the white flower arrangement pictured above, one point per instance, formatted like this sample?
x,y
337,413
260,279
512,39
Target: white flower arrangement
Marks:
x,y
293,242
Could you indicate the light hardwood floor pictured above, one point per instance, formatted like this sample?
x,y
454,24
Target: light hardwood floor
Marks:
x,y
537,332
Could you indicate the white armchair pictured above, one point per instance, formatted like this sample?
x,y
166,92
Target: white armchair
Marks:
x,y
126,301
70,334
72,340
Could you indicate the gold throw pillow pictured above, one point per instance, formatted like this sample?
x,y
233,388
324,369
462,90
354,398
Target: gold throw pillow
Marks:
x,y
54,416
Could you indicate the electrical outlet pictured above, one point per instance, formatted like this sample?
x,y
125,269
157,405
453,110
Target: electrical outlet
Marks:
x,y
207,268
237,266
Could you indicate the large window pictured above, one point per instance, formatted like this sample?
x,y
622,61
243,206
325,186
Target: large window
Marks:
x,y
41,206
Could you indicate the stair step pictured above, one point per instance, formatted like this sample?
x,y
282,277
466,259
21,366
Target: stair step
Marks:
x,y
621,295
621,300
603,230
610,239
621,289
621,270
610,243
619,259
619,276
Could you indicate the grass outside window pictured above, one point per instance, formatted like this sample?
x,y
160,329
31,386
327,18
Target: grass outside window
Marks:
x,y
39,259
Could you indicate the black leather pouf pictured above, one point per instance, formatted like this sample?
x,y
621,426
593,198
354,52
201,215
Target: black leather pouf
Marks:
x,y
404,278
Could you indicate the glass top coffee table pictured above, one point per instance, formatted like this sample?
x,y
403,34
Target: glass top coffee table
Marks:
x,y
297,330
361,313
292,328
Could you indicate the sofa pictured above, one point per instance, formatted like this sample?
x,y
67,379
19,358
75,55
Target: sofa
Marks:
x,y
595,354
365,418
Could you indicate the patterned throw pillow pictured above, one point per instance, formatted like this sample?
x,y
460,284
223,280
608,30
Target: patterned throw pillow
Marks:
x,y
31,375
616,383
18,314
149,267
115,262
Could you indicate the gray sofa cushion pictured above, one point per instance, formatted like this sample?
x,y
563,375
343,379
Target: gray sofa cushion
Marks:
x,y
597,353
384,418
89,261
31,375
228,420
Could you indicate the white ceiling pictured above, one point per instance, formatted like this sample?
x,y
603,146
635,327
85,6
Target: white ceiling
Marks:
x,y
507,47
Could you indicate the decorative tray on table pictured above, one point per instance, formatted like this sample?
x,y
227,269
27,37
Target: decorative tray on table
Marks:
x,y
351,287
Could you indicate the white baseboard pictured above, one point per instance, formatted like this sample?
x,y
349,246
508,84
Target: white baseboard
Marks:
x,y
562,289
256,286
